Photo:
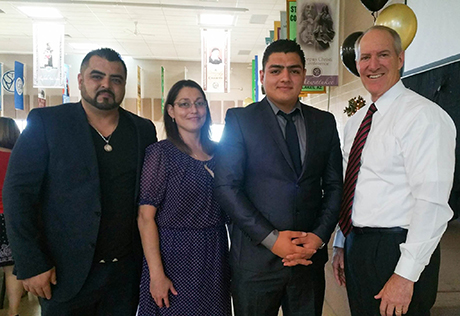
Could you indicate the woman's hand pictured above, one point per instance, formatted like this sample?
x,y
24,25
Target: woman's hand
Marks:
x,y
159,288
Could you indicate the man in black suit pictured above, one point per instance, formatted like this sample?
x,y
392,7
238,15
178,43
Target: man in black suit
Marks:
x,y
279,178
70,197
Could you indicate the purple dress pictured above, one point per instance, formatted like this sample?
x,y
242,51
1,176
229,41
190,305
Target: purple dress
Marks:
x,y
193,238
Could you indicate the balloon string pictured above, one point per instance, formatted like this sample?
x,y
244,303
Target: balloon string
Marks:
x,y
373,15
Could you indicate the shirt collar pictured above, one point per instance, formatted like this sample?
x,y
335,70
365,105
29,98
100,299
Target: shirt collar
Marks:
x,y
276,109
386,101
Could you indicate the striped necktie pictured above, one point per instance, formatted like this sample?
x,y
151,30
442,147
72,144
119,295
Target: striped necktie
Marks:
x,y
351,175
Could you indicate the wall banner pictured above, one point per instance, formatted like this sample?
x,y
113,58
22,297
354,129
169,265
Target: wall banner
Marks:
x,y
317,34
18,85
66,90
48,49
215,60
42,98
162,89
139,90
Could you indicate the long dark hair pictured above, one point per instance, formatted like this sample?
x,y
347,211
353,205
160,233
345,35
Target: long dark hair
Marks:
x,y
9,132
172,132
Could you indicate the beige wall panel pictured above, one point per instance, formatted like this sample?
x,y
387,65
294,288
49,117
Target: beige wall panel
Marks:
x,y
8,106
157,114
130,105
54,100
216,111
147,108
228,105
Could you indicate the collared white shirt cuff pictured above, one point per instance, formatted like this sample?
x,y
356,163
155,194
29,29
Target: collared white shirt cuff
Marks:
x,y
409,269
339,239
270,240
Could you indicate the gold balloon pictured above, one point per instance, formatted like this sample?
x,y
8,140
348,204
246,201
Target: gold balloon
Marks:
x,y
247,101
400,18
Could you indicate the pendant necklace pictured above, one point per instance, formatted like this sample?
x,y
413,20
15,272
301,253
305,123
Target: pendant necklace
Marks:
x,y
107,147
205,165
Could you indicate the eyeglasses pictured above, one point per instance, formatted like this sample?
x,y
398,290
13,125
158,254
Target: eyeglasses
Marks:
x,y
188,104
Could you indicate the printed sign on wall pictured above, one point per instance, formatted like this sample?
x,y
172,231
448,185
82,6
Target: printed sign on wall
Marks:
x,y
215,60
18,85
48,52
317,34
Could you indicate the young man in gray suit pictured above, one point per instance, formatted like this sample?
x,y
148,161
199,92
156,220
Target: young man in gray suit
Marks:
x,y
279,177
70,197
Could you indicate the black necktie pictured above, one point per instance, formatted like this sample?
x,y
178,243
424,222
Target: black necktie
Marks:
x,y
292,140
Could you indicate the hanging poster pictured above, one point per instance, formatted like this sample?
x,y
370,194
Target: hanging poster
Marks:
x,y
66,90
42,98
139,90
18,85
215,60
317,34
162,89
48,50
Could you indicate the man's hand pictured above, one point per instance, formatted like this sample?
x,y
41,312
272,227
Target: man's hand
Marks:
x,y
284,246
40,285
310,243
338,265
396,296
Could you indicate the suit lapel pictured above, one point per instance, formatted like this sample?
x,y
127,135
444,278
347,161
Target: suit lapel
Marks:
x,y
273,129
81,138
310,128
139,150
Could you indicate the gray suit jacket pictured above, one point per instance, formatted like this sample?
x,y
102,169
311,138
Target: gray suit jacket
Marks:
x,y
257,186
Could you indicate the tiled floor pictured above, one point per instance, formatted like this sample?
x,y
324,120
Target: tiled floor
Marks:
x,y
447,304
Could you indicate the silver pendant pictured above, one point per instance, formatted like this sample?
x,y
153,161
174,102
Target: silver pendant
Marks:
x,y
108,148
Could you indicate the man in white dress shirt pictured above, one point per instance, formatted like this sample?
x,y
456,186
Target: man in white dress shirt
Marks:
x,y
399,211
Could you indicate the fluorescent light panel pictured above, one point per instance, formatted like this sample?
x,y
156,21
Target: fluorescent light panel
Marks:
x,y
217,19
41,12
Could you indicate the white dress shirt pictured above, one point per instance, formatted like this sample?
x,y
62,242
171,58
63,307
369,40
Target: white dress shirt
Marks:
x,y
406,174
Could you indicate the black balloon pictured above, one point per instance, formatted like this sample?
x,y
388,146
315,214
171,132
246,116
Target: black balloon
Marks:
x,y
374,5
347,52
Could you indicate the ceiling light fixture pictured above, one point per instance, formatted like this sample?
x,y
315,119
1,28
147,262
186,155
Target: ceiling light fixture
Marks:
x,y
139,4
41,12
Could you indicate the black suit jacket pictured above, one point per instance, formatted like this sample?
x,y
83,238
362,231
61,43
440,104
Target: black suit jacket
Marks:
x,y
52,198
257,186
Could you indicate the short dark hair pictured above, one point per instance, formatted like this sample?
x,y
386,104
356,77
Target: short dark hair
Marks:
x,y
397,45
106,53
283,46
172,132
9,132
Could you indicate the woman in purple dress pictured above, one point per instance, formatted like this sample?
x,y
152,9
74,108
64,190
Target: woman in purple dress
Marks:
x,y
185,270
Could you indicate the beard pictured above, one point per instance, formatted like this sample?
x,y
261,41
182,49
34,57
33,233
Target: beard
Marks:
x,y
106,105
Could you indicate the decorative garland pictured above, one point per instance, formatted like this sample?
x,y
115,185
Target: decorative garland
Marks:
x,y
354,104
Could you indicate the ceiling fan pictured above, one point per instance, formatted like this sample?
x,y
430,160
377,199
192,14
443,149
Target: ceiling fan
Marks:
x,y
136,31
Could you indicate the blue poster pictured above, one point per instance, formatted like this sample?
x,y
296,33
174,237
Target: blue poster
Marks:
x,y
18,85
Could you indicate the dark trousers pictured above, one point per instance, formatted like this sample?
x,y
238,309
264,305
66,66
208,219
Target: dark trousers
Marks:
x,y
111,289
298,290
370,260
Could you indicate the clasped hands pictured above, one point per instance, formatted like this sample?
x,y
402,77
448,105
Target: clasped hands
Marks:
x,y
296,247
